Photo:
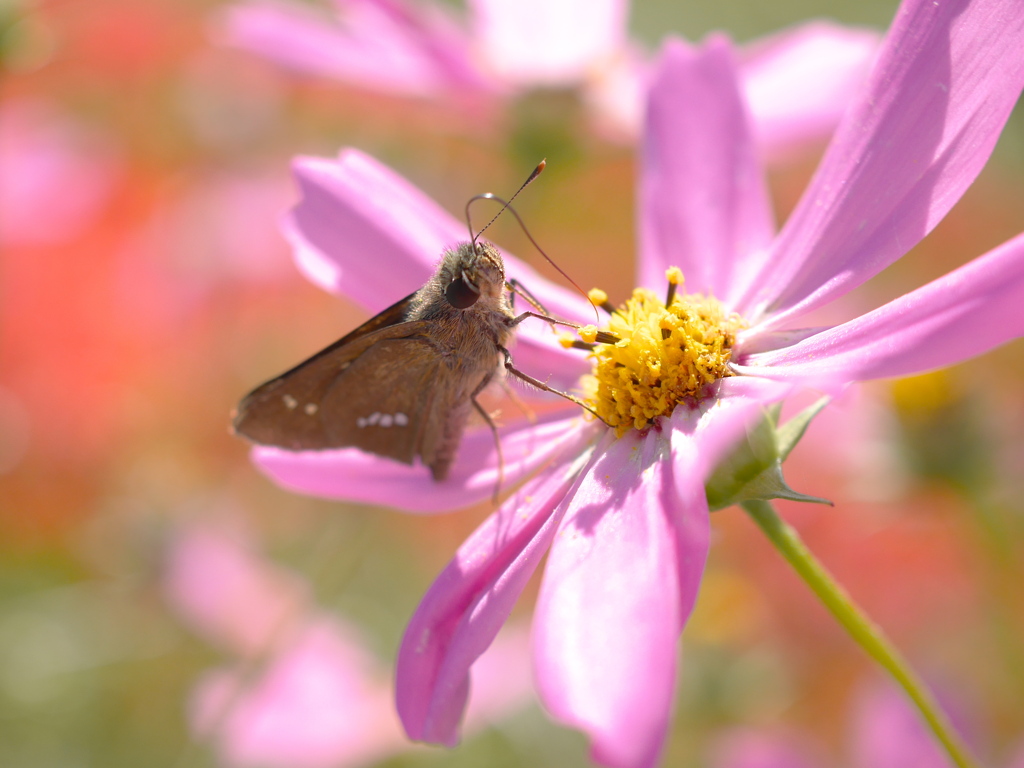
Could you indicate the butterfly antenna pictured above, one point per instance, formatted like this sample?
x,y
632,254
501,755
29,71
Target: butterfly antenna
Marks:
x,y
488,196
507,206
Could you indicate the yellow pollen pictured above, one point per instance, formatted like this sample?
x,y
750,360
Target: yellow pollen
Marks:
x,y
588,333
597,296
674,275
665,355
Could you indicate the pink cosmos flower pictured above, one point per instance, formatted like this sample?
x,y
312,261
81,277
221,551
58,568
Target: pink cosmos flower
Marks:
x,y
502,48
624,519
312,695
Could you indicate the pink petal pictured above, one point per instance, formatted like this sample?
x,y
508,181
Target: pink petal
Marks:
x,y
608,617
538,42
947,78
425,36
352,475
703,198
364,231
293,35
701,437
467,604
954,318
797,85
691,519
799,82
375,44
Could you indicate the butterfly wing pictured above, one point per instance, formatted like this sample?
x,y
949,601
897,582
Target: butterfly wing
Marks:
x,y
270,414
382,388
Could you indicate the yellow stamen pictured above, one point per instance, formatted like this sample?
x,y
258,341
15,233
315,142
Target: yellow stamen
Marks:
x,y
665,355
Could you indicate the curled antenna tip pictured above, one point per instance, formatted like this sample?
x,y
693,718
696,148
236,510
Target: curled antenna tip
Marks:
x,y
536,171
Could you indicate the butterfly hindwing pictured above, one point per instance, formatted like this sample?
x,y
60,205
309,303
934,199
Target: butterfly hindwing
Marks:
x,y
396,400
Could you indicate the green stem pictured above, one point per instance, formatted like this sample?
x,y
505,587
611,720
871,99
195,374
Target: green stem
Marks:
x,y
864,632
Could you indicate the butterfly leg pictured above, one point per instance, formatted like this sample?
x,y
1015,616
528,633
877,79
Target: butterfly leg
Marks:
x,y
542,386
497,444
515,287
494,431
602,337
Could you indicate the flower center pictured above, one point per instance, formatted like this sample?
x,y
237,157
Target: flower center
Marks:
x,y
666,353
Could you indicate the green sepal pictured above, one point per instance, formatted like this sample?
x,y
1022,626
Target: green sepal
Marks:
x,y
790,433
753,471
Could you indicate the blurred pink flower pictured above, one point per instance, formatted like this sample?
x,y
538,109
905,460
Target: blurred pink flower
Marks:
x,y
223,227
884,732
385,45
753,748
57,174
626,519
798,82
226,592
307,692
320,700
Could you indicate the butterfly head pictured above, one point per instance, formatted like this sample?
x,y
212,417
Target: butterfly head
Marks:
x,y
472,271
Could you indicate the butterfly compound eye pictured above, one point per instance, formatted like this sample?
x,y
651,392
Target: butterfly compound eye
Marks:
x,y
460,294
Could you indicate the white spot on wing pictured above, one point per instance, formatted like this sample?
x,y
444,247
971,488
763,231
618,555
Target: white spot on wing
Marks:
x,y
310,408
289,402
381,420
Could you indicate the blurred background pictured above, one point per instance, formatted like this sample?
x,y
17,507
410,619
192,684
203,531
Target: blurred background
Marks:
x,y
158,596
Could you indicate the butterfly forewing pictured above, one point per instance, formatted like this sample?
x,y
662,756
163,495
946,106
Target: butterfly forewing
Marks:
x,y
276,412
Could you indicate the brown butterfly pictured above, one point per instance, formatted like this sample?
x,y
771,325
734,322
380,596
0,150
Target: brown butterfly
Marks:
x,y
402,384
